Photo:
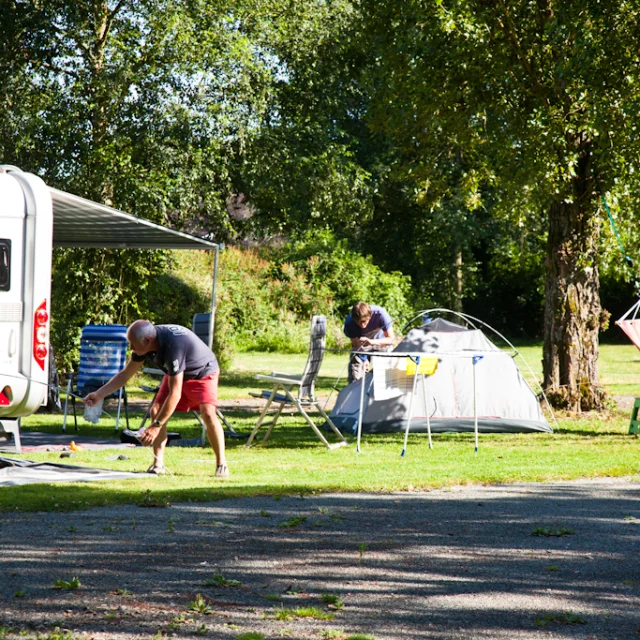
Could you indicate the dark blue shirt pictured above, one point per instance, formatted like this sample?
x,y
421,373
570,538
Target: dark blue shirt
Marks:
x,y
180,350
379,322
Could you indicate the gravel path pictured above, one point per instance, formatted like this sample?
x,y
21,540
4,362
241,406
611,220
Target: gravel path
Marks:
x,y
450,563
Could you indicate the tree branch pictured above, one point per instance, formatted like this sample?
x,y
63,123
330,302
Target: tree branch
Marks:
x,y
110,19
508,27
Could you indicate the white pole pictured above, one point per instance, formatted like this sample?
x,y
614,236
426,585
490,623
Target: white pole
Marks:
x,y
413,393
475,402
426,409
212,317
364,377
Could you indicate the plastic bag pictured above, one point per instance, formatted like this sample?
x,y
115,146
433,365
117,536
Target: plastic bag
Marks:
x,y
92,414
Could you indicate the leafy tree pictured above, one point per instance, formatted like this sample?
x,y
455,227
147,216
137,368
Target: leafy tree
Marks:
x,y
141,105
540,98
315,164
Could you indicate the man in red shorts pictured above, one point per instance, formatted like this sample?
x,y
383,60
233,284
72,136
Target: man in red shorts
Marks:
x,y
190,382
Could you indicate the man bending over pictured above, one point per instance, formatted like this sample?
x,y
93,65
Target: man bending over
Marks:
x,y
190,382
370,328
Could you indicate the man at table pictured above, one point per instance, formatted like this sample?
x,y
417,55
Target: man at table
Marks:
x,y
370,328
190,382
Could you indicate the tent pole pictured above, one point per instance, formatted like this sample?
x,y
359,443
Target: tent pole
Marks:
x,y
413,393
212,319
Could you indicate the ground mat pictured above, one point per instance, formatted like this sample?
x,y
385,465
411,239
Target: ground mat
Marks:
x,y
15,472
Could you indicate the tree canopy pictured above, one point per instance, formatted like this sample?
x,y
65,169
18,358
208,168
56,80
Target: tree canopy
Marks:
x,y
465,143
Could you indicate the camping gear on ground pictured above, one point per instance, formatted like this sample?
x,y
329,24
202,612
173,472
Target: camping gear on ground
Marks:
x,y
103,354
281,394
504,401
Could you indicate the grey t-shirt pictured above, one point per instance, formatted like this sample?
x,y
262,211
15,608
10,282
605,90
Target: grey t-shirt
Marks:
x,y
180,350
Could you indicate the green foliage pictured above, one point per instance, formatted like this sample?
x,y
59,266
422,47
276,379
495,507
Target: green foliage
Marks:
x,y
559,618
262,313
306,612
200,605
91,286
266,300
142,106
332,599
293,522
344,275
67,585
218,580
550,532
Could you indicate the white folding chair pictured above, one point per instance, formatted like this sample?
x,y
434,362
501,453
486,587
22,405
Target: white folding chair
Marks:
x,y
282,392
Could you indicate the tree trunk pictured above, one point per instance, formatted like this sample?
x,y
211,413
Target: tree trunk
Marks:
x,y
573,314
458,288
98,170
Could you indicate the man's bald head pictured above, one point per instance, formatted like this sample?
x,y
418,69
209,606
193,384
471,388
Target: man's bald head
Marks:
x,y
141,335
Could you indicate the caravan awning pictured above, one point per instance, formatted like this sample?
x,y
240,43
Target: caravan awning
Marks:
x,y
78,222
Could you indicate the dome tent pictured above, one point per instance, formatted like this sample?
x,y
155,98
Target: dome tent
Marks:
x,y
505,402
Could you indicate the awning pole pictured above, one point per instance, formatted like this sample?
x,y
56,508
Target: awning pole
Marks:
x,y
213,297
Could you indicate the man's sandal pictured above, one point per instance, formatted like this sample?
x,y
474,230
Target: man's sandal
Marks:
x,y
157,470
222,471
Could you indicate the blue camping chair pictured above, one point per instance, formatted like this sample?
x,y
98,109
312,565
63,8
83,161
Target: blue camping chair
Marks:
x,y
103,353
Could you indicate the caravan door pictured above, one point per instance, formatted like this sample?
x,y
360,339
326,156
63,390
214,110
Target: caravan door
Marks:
x,y
26,232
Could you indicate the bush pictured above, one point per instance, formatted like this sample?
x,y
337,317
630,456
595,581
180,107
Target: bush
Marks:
x,y
92,286
344,276
98,286
264,310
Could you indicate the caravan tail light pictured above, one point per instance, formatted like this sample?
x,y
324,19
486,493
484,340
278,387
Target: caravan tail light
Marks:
x,y
5,397
40,334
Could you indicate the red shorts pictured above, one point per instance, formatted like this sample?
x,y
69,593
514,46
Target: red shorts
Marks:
x,y
194,392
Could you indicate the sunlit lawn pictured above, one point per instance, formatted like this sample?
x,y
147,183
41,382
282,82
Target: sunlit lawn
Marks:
x,y
294,460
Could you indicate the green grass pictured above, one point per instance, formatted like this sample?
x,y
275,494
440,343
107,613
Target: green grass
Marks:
x,y
294,461
619,367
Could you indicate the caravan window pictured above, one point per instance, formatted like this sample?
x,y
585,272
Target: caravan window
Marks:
x,y
5,265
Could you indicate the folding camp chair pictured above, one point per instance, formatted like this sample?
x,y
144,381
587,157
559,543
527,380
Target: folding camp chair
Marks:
x,y
103,353
305,399
200,326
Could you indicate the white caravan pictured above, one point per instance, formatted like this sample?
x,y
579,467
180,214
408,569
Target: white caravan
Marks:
x,y
26,236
